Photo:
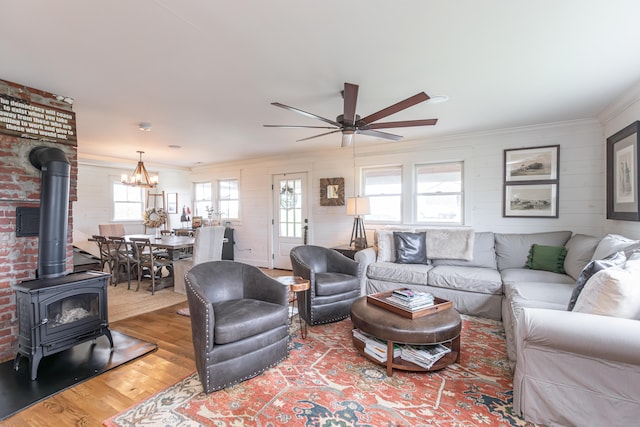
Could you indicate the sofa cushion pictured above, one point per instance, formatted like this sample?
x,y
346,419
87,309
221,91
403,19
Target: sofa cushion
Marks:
x,y
580,249
410,248
612,292
399,273
518,296
471,279
610,244
484,254
517,275
242,318
547,258
618,259
512,249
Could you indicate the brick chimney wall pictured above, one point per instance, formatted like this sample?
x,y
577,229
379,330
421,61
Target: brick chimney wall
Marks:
x,y
20,187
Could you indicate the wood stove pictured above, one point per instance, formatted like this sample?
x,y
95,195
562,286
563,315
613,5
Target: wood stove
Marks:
x,y
58,313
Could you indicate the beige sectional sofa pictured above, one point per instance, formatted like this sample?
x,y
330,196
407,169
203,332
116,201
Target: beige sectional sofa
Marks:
x,y
570,367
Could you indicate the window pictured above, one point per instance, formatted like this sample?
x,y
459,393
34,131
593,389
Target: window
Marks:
x,y
202,198
228,205
127,202
439,193
383,186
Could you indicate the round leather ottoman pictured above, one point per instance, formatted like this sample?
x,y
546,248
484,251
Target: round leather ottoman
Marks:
x,y
440,327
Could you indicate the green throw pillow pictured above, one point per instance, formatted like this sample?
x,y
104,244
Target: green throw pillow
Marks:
x,y
547,258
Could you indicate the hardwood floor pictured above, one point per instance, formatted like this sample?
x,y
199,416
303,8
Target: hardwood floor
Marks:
x,y
95,400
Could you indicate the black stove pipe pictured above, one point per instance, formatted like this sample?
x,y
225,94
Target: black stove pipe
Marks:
x,y
54,210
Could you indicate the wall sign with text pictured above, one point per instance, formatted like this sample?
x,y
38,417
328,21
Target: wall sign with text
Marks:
x,y
27,119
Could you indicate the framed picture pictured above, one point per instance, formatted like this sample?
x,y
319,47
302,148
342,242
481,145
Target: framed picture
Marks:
x,y
172,203
331,191
531,164
531,200
622,174
196,222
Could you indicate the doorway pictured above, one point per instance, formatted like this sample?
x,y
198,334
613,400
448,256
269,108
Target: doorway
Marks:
x,y
290,219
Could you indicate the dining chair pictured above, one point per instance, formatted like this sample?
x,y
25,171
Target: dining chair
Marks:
x,y
166,232
107,230
188,233
123,258
207,246
107,256
145,258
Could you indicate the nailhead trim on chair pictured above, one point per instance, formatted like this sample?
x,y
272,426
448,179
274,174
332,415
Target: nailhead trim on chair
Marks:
x,y
204,303
246,377
208,368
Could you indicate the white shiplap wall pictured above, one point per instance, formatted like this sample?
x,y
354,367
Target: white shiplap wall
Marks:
x,y
581,204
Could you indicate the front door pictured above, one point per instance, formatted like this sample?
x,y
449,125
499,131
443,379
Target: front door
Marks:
x,y
290,224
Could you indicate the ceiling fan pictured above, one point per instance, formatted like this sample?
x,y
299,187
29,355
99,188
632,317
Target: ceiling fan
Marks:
x,y
349,123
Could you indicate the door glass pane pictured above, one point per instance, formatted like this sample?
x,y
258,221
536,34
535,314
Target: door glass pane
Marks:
x,y
290,207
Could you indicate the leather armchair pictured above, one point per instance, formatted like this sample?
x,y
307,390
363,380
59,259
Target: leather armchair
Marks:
x,y
239,322
334,283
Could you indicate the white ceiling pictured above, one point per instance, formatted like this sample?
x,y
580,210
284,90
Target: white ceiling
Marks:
x,y
204,72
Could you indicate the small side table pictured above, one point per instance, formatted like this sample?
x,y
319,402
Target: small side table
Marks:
x,y
296,284
346,250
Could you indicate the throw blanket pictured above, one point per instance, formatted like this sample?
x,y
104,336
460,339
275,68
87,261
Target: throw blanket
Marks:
x,y
450,243
442,243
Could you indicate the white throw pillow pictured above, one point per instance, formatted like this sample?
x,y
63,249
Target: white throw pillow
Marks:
x,y
386,248
612,292
611,243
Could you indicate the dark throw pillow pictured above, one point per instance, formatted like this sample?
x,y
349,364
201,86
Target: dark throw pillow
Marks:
x,y
617,259
547,258
411,248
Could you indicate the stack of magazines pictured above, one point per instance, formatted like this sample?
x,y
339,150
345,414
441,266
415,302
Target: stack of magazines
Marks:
x,y
424,355
410,300
375,347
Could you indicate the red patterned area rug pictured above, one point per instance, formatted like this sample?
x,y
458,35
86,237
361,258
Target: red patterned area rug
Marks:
x,y
325,382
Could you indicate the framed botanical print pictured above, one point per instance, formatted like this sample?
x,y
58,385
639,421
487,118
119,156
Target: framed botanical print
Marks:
x,y
331,191
622,174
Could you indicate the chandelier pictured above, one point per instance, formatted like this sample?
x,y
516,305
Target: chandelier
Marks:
x,y
140,177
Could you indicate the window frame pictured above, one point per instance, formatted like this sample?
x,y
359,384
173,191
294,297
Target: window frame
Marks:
x,y
460,194
219,198
116,181
363,180
205,201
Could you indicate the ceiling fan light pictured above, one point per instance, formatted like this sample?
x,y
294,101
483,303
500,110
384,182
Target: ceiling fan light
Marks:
x,y
347,138
438,99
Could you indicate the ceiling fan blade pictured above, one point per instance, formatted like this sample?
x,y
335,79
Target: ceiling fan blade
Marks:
x,y
409,102
401,124
304,113
350,99
378,134
318,136
298,127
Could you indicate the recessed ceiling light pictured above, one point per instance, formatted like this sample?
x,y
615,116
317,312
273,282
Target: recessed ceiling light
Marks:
x,y
438,99
175,146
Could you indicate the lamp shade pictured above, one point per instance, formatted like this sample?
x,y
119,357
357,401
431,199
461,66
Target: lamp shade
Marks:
x,y
358,206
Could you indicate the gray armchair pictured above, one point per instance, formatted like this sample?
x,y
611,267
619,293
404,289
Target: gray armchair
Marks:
x,y
334,283
239,322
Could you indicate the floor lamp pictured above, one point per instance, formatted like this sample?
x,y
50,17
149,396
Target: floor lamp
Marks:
x,y
358,206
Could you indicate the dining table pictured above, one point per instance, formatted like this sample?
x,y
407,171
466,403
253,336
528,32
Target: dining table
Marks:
x,y
174,245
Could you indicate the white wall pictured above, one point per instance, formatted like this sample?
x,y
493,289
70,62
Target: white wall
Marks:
x,y
616,117
581,200
94,206
581,191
